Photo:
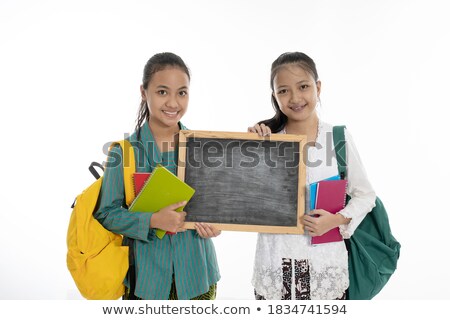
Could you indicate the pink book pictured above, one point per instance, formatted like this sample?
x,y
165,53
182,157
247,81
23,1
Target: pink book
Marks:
x,y
139,179
330,196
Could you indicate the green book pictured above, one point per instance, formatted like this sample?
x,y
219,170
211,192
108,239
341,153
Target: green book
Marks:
x,y
162,189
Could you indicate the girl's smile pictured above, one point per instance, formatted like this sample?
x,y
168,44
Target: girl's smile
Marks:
x,y
171,114
297,107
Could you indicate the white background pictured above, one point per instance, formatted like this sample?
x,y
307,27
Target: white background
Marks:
x,y
69,83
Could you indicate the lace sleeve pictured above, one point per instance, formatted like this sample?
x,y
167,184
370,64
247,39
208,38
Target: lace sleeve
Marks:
x,y
359,188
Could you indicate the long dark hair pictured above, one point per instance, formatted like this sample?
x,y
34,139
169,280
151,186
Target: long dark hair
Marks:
x,y
158,62
279,120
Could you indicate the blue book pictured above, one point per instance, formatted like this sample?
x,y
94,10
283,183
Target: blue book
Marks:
x,y
313,191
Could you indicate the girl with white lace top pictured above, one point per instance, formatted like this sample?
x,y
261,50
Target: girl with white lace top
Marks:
x,y
287,266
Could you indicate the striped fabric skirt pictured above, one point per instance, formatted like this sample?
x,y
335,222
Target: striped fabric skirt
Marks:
x,y
210,295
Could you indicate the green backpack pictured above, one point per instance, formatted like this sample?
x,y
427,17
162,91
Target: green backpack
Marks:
x,y
373,250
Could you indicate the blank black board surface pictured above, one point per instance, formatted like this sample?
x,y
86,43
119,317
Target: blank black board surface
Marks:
x,y
243,182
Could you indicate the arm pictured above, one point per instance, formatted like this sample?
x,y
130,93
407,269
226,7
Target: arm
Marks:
x,y
362,200
113,215
111,212
359,188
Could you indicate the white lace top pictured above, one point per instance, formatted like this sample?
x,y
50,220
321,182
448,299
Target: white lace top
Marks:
x,y
328,264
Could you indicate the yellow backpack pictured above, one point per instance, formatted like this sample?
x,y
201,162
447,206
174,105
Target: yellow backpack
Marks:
x,y
96,258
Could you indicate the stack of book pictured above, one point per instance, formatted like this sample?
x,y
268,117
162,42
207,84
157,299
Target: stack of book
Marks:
x,y
329,195
157,190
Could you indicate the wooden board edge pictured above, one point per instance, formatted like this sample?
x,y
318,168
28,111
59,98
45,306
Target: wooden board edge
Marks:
x,y
181,166
252,228
240,135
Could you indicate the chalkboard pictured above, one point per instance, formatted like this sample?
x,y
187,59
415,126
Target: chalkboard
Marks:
x,y
244,182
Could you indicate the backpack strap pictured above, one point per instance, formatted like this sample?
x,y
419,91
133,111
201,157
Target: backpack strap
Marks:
x,y
129,168
339,147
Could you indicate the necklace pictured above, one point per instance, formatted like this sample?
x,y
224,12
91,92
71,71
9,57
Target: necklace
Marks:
x,y
319,125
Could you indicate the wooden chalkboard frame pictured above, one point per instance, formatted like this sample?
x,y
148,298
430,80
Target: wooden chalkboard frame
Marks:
x,y
184,135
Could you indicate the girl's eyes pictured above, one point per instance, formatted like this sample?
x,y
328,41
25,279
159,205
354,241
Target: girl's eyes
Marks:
x,y
164,93
302,87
